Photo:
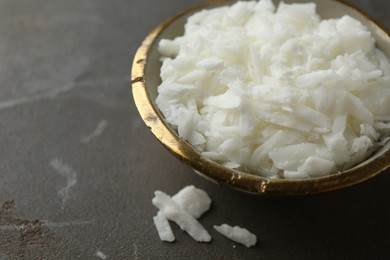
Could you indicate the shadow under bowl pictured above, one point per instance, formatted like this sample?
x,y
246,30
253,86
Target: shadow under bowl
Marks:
x,y
145,80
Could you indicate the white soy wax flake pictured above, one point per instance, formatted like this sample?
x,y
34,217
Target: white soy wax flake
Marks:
x,y
193,200
275,90
237,234
181,217
163,228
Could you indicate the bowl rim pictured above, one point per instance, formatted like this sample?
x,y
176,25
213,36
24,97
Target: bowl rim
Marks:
x,y
213,171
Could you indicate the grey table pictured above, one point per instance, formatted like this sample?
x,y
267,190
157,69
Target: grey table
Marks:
x,y
78,167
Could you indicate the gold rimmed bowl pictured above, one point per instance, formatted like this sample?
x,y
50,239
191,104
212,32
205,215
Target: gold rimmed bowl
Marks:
x,y
145,80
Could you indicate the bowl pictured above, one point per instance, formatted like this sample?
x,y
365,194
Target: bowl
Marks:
x,y
145,79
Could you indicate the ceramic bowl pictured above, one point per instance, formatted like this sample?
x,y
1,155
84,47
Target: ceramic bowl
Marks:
x,y
145,79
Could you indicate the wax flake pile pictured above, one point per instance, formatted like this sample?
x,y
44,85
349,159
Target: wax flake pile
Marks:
x,y
276,91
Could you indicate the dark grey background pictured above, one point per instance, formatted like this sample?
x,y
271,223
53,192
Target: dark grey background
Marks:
x,y
78,167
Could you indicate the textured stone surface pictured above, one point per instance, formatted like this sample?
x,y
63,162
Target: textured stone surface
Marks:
x,y
78,168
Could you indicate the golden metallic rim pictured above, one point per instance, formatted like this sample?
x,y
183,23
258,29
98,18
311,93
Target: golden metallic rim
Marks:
x,y
215,172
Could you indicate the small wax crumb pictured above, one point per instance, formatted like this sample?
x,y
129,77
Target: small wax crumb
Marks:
x,y
237,234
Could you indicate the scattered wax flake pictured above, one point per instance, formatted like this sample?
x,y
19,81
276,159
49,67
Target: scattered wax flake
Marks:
x,y
163,228
193,200
237,234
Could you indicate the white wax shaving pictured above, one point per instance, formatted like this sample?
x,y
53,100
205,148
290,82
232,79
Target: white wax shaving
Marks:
x,y
275,91
163,228
193,200
237,234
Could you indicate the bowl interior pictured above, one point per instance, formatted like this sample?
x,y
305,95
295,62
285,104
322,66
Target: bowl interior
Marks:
x,y
145,93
